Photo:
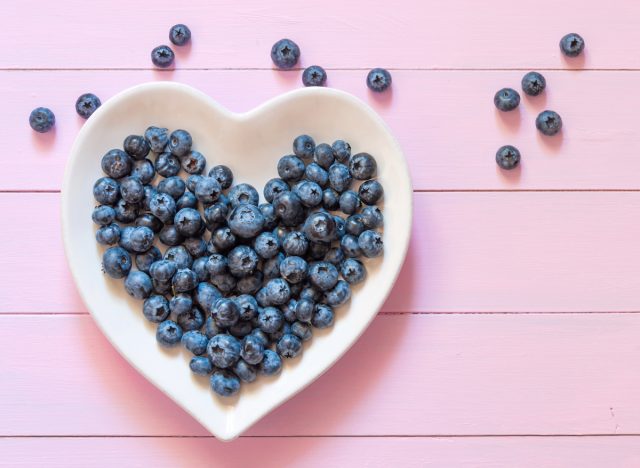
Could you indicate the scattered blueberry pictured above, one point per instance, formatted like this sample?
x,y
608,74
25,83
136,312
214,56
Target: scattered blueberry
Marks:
x,y
533,83
506,99
304,147
572,45
378,80
168,333
314,76
162,56
508,157
285,53
549,123
179,34
42,119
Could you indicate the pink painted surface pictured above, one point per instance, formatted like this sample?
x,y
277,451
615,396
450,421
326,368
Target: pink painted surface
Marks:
x,y
570,246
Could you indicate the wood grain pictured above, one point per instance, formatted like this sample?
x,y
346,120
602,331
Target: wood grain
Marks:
x,y
470,252
407,34
597,149
408,375
484,452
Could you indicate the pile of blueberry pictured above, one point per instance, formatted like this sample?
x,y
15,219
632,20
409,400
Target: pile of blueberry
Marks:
x,y
241,283
548,122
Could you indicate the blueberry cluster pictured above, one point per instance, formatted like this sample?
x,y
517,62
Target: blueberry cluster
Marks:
x,y
241,283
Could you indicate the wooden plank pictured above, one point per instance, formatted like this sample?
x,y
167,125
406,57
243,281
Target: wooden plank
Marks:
x,y
445,122
408,375
440,34
485,452
471,252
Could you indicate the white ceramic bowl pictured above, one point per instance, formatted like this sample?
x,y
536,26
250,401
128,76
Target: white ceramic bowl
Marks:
x,y
250,144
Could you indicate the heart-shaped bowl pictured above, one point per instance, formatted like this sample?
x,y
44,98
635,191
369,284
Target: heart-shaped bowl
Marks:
x,y
250,144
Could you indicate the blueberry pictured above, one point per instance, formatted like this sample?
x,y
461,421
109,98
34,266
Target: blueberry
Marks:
x,y
370,192
200,365
508,157
251,283
315,173
116,262
372,217
180,256
143,170
353,271
179,34
173,185
330,199
243,261
163,207
188,222
224,350
246,221
271,268
225,384
572,45
278,291
240,329
371,244
341,151
289,346
270,319
314,76
180,303
163,270
149,192
87,104
141,239
295,243
210,328
310,293
323,316
108,235
125,238
157,137
169,333
126,212
103,215
243,193
271,363
223,239
169,235
116,163
317,250
155,308
131,190
191,320
349,202
138,285
215,215
224,282
136,146
301,330
266,245
339,177
289,310
269,214
186,200
199,269
378,80
533,83
290,168
506,99
42,119
252,349
340,294
335,256
294,269
167,165
245,372
205,295
549,123
216,264
340,227
145,260
223,175
106,191
362,166
304,146
273,188
180,142
184,280
192,181
319,227
285,53
162,56
324,155
309,192
195,341
197,247
247,305
323,275
304,310
193,162
289,208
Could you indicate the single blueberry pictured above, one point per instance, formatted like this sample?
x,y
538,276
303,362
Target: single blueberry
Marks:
x,y
145,260
116,262
136,146
354,225
324,155
549,123
42,119
186,200
335,256
349,202
179,255
184,280
340,227
131,190
163,270
304,146
314,75
304,310
285,53
167,164
250,284
179,34
87,104
290,168
246,221
173,185
138,285
270,319
180,142
323,316
310,193
370,192
271,363
289,208
210,328
278,291
243,193
188,222
191,320
362,166
289,346
106,191
252,349
197,247
339,177
169,235
223,175
116,163
223,239
572,45
157,138
533,83
315,173
340,294
245,372
353,271
125,238
320,227
162,56
372,217
215,215
199,269
103,215
193,163
224,282
225,384
342,151
506,99
143,170
266,245
156,308
163,207
289,310
371,244
301,330
271,268
294,269
126,212
269,214
195,341
508,157
192,181
169,333
378,80
273,188
108,235
205,295
295,243
248,306
224,350
330,199
242,261
200,365
323,275
217,264
180,303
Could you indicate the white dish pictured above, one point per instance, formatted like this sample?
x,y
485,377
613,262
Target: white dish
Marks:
x,y
250,144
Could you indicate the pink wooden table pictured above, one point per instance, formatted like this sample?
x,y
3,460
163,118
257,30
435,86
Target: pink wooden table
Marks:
x,y
513,336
